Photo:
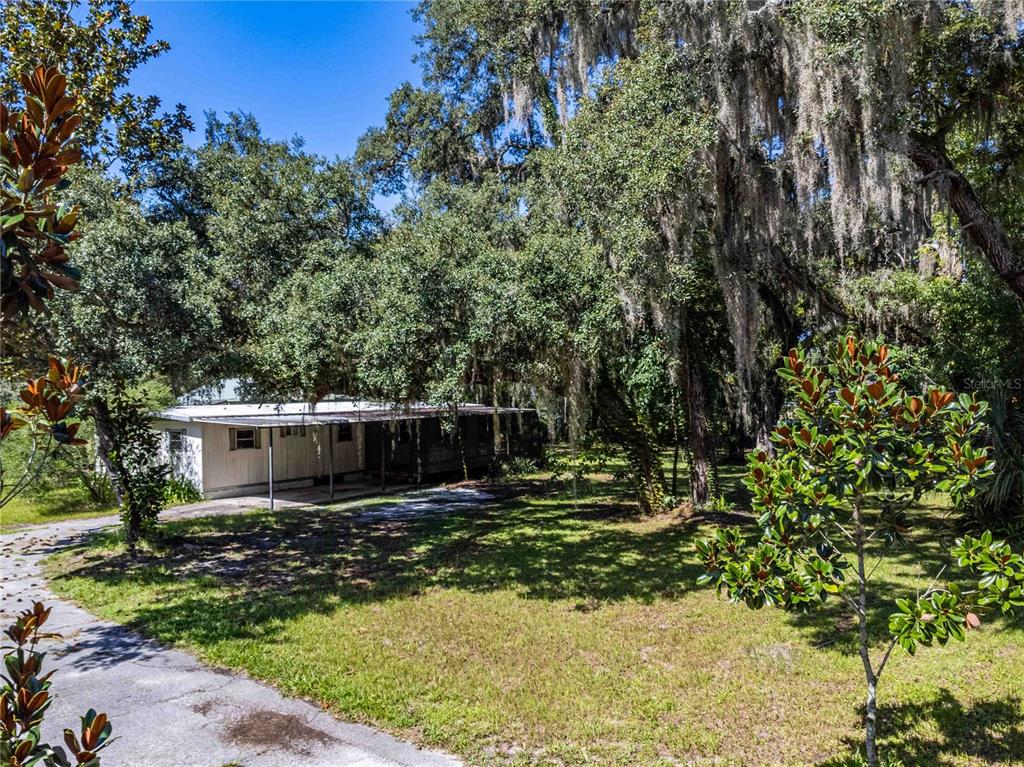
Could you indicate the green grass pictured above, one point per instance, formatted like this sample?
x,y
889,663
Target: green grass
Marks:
x,y
542,631
51,506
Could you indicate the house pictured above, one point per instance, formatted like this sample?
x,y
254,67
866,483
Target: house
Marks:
x,y
230,449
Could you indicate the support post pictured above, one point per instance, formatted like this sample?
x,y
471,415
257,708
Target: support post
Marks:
x,y
330,453
383,457
270,464
419,454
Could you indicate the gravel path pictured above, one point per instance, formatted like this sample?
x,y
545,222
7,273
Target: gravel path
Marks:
x,y
170,709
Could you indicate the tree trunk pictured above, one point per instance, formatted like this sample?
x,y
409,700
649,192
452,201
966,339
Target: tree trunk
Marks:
x,y
697,422
871,713
462,448
979,226
105,445
419,454
383,457
675,444
699,449
675,467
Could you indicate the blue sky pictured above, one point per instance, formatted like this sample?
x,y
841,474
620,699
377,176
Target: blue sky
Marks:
x,y
321,70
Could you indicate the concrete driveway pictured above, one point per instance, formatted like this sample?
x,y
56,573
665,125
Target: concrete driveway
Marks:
x,y
167,707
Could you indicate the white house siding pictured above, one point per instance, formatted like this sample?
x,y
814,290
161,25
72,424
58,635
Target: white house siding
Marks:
x,y
188,462
297,460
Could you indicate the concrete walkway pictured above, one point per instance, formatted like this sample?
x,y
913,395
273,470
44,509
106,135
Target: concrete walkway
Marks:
x,y
167,707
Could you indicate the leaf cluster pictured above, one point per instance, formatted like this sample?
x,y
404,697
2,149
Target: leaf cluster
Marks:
x,y
37,146
853,432
25,697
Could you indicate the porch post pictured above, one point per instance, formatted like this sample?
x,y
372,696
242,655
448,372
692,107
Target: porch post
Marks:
x,y
330,451
419,454
383,457
270,464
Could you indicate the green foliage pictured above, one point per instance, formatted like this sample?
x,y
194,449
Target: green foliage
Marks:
x,y
424,138
68,467
46,418
518,466
940,310
137,476
454,302
721,505
278,253
141,308
37,146
25,697
855,436
854,432
571,467
939,615
180,490
1002,500
97,50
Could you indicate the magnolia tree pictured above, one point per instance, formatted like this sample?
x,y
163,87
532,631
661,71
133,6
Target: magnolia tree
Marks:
x,y
37,145
856,450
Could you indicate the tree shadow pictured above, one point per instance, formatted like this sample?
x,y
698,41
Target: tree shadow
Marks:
x,y
941,731
231,578
924,557
991,730
256,572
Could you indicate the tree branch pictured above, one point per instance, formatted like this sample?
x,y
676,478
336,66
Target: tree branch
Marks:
x,y
979,226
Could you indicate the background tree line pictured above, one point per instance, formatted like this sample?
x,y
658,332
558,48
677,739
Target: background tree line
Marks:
x,y
621,213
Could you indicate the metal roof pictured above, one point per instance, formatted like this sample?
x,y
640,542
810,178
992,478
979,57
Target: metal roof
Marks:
x,y
320,414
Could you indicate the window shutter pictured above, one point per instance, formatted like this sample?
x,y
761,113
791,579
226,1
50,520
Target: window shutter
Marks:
x,y
257,433
232,435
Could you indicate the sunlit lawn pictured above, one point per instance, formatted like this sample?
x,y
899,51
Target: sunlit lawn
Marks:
x,y
543,631
51,506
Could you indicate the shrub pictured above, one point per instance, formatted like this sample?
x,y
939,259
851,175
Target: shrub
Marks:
x,y
179,490
518,466
854,434
138,476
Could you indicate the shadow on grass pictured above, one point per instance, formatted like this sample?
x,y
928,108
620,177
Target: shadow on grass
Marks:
x,y
908,568
231,578
263,569
991,731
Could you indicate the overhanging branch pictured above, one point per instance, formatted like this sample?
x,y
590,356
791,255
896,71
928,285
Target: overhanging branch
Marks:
x,y
979,226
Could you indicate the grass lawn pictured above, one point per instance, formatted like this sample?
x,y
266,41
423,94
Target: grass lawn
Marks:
x,y
542,631
53,506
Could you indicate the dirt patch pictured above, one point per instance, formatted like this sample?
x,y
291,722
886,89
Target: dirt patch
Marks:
x,y
204,708
266,729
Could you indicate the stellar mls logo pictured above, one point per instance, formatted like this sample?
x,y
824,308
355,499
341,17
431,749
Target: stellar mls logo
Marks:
x,y
993,384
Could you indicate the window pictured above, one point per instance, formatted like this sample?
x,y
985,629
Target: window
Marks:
x,y
244,439
344,432
175,441
404,432
293,431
